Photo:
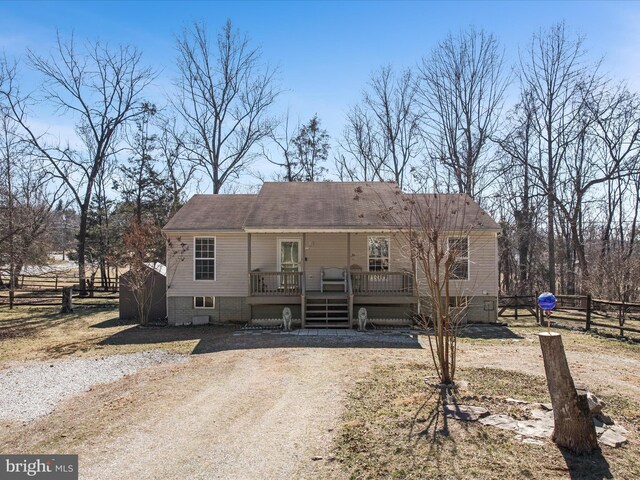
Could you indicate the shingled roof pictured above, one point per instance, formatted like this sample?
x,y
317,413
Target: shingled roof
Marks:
x,y
321,206
212,212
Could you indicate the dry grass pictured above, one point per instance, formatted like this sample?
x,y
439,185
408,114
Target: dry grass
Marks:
x,y
573,340
393,428
29,333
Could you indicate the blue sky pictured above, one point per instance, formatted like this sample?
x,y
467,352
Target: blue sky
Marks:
x,y
325,50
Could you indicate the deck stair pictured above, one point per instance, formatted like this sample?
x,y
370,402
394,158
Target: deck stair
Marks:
x,y
327,310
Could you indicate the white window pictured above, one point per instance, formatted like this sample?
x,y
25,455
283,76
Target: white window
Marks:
x,y
459,247
378,256
204,267
204,302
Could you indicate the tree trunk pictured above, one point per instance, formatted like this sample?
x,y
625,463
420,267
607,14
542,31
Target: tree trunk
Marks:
x,y
67,300
573,424
82,237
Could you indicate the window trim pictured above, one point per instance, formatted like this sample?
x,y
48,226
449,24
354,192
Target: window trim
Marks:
x,y
388,239
468,258
215,259
204,307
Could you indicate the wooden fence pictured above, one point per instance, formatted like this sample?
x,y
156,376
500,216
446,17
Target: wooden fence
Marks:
x,y
582,310
45,290
56,282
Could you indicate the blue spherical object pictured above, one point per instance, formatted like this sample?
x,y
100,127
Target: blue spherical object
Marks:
x,y
547,301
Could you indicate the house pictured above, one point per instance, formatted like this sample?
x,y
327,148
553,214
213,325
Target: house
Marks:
x,y
323,249
155,284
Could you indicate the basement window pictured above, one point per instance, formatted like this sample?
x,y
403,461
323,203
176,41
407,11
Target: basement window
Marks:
x,y
204,302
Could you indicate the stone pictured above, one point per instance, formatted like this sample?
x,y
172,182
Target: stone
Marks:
x,y
316,458
595,404
466,413
600,430
532,441
619,429
516,401
534,429
605,419
547,406
612,439
500,421
461,384
546,415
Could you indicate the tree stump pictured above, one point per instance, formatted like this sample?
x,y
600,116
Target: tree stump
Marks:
x,y
67,300
573,425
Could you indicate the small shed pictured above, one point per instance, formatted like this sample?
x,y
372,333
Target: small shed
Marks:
x,y
157,285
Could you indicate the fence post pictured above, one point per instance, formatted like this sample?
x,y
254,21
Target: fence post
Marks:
x,y
67,300
535,303
589,307
621,319
516,307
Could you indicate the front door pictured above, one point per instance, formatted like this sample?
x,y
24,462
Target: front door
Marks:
x,y
289,256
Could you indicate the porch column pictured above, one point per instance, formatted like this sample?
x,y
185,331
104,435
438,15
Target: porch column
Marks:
x,y
249,261
349,253
303,298
304,252
350,304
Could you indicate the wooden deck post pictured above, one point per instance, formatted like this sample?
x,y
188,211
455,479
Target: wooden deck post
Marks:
x,y
349,281
303,283
249,263
573,424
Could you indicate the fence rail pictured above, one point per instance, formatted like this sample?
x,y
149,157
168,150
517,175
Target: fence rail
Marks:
x,y
45,290
622,317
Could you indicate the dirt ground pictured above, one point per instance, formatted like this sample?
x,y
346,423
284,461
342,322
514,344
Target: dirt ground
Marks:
x,y
245,406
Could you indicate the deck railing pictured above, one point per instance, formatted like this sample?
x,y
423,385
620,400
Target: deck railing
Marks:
x,y
382,283
276,283
360,283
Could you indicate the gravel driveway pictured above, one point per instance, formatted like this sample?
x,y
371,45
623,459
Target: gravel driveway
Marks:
x,y
248,407
258,407
32,390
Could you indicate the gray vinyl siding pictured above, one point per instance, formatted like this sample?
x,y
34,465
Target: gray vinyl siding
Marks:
x,y
231,266
323,250
483,268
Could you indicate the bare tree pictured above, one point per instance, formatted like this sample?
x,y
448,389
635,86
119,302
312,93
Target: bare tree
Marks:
x,y
177,170
100,87
285,157
139,240
462,85
224,93
361,151
553,71
436,228
517,150
27,197
382,136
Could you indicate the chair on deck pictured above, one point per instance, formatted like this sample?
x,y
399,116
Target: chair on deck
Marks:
x,y
330,276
